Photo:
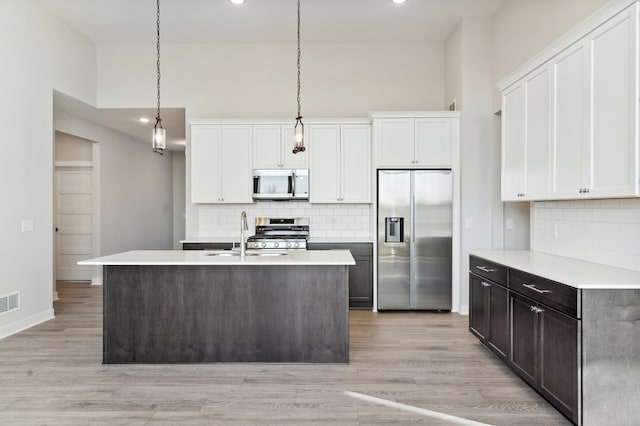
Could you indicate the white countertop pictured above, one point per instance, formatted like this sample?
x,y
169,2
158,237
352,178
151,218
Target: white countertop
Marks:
x,y
311,240
204,257
572,272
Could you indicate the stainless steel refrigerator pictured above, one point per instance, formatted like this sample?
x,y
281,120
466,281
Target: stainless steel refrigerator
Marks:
x,y
414,239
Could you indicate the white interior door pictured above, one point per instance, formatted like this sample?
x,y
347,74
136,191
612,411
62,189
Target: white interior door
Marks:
x,y
74,221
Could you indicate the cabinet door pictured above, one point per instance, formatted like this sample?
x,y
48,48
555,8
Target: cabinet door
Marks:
x,y
324,144
266,147
537,87
513,144
569,123
498,338
355,154
204,154
433,142
560,359
612,165
361,282
479,311
524,338
395,139
289,159
235,158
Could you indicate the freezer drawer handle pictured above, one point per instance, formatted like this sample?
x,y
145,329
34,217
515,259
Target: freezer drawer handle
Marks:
x,y
485,269
485,284
536,289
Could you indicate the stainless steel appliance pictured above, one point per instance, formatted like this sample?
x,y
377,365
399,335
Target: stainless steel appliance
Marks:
x,y
281,184
280,233
414,239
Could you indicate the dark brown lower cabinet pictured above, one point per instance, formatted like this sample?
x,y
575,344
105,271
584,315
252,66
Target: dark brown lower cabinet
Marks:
x,y
360,274
489,314
544,352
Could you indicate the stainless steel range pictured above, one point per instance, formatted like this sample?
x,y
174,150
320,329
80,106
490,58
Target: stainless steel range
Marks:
x,y
280,233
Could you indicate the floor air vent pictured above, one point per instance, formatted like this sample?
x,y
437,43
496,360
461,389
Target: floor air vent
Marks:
x,y
9,302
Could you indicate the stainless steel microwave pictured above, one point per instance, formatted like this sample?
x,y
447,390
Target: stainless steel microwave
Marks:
x,y
281,184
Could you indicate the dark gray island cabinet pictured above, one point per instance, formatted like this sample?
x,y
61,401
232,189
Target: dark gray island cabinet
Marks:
x,y
570,329
194,306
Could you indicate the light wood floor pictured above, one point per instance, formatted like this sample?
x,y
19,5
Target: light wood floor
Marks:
x,y
52,374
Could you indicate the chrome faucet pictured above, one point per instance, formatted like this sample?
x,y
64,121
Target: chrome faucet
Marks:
x,y
243,228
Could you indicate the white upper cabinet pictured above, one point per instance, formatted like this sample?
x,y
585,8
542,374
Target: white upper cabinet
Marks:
x,y
273,148
433,142
593,121
613,166
340,163
414,142
570,99
513,143
220,157
526,119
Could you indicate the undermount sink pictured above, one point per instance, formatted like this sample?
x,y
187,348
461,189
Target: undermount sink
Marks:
x,y
237,253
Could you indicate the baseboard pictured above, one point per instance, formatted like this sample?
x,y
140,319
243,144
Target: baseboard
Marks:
x,y
25,323
96,281
464,309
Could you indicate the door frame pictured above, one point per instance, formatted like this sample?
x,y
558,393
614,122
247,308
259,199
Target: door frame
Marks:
x,y
94,166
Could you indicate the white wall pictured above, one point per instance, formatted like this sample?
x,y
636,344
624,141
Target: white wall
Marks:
x,y
72,148
39,54
179,185
338,80
522,28
469,80
136,188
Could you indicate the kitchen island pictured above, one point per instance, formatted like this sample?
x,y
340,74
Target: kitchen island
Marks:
x,y
216,306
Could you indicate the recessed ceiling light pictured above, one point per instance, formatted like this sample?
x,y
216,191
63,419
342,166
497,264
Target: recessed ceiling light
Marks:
x,y
143,120
398,1
237,1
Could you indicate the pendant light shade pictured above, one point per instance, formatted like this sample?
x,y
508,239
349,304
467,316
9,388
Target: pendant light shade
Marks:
x,y
159,141
159,137
299,127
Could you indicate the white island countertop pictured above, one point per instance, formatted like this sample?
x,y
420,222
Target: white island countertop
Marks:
x,y
572,272
209,257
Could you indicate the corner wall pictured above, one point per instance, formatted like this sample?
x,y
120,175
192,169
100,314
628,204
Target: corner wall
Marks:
x,y
40,54
136,188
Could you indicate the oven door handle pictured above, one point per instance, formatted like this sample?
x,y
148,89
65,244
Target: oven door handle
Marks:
x,y
292,184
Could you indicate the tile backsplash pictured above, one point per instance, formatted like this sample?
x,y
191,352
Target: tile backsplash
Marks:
x,y
338,221
600,231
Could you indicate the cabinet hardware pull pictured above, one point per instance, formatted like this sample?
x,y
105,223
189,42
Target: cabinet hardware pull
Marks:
x,y
485,269
539,310
536,289
532,308
485,284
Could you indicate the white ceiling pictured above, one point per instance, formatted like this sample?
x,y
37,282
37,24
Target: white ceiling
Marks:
x,y
256,21
267,21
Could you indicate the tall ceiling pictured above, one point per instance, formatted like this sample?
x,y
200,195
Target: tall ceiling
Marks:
x,y
255,21
268,21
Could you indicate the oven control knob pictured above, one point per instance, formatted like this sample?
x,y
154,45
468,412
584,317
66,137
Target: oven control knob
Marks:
x,y
276,245
296,245
263,245
288,245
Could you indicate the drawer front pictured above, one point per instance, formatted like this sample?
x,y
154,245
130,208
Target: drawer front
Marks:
x,y
207,246
489,270
551,293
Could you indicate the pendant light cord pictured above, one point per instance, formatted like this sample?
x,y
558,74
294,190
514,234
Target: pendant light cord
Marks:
x,y
158,56
299,60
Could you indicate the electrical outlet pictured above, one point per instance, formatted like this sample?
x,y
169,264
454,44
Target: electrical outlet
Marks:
x,y
27,225
509,224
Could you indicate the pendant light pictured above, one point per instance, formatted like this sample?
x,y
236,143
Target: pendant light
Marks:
x,y
298,129
159,134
